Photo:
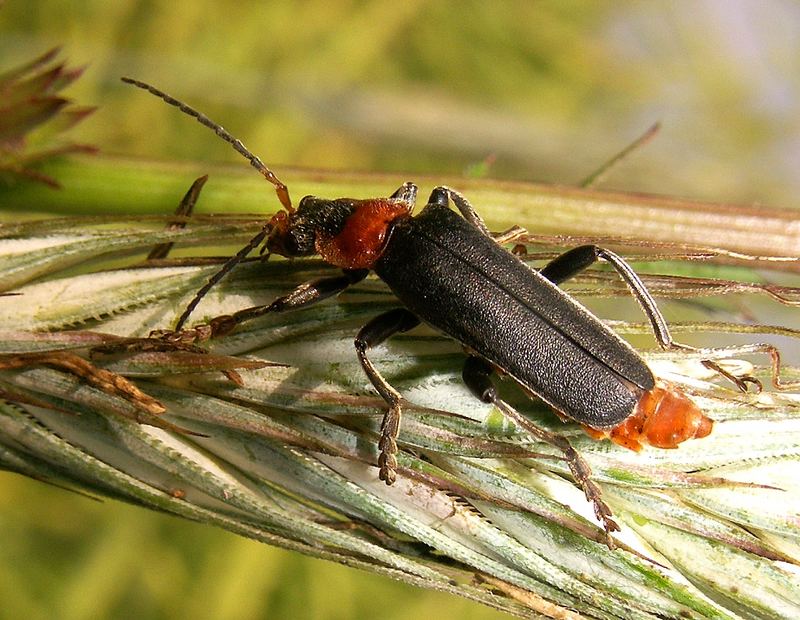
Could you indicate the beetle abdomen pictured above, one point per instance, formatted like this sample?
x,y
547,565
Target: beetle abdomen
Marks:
x,y
461,282
665,417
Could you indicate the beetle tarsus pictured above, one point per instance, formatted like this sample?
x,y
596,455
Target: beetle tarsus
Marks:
x,y
387,445
742,382
373,333
582,474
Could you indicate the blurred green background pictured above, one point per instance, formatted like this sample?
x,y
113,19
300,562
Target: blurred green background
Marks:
x,y
544,91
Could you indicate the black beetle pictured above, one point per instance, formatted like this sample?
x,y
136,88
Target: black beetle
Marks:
x,y
451,273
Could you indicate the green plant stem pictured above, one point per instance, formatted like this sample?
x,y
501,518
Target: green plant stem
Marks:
x,y
103,184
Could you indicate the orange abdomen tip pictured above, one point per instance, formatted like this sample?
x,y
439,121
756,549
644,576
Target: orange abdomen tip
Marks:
x,y
664,418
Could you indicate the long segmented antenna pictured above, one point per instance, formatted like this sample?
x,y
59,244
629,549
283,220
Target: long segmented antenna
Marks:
x,y
229,264
280,187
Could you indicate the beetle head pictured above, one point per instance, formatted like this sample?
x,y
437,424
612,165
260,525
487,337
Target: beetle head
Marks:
x,y
293,233
277,233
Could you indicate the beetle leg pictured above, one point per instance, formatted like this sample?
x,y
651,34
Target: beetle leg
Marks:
x,y
512,234
407,193
477,375
304,295
373,333
440,194
577,259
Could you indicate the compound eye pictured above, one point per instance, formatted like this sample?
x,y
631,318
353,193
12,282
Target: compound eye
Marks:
x,y
293,245
300,241
305,200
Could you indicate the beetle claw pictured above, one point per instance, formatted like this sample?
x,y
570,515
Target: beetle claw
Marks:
x,y
601,510
387,471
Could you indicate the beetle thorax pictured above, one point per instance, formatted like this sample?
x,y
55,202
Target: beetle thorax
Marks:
x,y
345,232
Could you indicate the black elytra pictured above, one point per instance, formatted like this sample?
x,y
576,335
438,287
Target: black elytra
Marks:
x,y
461,282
